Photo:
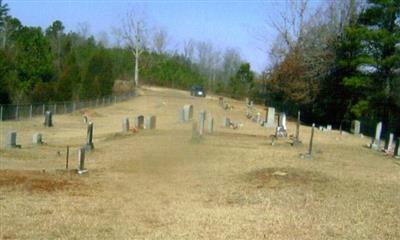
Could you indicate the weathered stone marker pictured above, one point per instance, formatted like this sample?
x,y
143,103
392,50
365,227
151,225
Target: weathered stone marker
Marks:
x,y
296,139
81,161
270,118
356,127
37,139
139,122
125,125
188,112
210,124
181,115
150,122
226,122
389,142
48,119
11,140
376,142
329,128
202,119
397,149
89,137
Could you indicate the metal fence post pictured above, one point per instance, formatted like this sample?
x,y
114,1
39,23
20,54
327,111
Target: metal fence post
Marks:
x,y
1,113
55,108
65,108
16,112
44,109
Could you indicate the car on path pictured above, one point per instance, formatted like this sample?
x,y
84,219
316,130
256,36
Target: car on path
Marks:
x,y
197,91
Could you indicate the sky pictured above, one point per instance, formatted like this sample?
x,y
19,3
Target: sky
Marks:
x,y
235,24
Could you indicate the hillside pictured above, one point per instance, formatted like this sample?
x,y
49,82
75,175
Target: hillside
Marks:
x,y
158,184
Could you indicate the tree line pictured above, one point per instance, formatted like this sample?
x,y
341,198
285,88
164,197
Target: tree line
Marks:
x,y
48,65
337,64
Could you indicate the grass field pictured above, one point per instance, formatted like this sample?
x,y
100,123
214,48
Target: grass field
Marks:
x,y
158,184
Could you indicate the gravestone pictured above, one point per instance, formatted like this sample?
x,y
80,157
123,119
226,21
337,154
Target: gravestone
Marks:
x,y
85,119
329,128
397,149
311,140
37,139
389,142
181,115
282,120
125,125
356,127
188,112
11,140
296,139
89,137
258,118
376,142
202,119
150,122
48,119
81,161
139,122
270,118
226,122
210,125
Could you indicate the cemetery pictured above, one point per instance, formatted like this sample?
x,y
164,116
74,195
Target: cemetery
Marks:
x,y
140,169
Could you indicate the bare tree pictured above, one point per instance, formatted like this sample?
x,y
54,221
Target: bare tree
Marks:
x,y
188,49
160,40
134,32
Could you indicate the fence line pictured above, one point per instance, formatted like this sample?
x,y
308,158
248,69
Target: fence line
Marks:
x,y
30,110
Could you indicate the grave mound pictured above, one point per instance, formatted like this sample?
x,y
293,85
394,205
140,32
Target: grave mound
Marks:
x,y
34,181
277,178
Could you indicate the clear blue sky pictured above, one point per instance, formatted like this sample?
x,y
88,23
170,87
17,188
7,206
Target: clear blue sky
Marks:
x,y
235,24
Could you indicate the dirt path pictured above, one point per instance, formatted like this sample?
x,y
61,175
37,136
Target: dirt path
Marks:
x,y
160,185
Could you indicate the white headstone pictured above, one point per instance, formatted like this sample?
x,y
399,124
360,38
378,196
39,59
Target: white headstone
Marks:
x,y
377,140
355,127
37,139
188,109
150,122
270,117
389,142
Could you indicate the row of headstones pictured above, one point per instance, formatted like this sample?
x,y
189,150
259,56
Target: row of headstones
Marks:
x,y
198,129
141,122
376,141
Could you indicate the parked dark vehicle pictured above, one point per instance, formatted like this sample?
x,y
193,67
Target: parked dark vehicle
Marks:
x,y
198,91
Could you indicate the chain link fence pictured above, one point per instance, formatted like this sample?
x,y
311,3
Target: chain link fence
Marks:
x,y
28,111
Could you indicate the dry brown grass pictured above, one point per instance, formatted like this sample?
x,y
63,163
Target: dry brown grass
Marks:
x,y
160,185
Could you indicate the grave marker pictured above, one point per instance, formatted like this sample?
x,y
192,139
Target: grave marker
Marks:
x,y
226,122
37,139
296,140
48,119
210,124
89,137
139,122
202,119
11,140
188,109
270,118
81,161
125,125
150,122
397,149
389,142
356,127
376,142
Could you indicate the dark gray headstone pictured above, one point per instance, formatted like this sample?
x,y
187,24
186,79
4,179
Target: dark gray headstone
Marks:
x,y
89,137
139,122
48,119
